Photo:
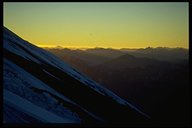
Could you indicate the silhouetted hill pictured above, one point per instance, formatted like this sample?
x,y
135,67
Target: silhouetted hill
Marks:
x,y
157,86
160,53
129,61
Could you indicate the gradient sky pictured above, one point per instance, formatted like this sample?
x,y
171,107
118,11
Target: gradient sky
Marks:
x,y
115,25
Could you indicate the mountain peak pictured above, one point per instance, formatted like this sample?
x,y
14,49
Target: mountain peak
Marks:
x,y
128,56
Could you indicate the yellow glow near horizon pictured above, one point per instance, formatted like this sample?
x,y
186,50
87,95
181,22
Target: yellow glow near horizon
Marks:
x,y
115,25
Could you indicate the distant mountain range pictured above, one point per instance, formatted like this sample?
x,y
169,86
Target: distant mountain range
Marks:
x,y
38,87
159,53
155,80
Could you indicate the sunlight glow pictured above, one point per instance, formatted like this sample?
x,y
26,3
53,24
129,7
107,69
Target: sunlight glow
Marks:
x,y
117,25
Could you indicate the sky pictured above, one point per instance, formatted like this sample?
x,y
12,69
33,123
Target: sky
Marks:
x,y
113,24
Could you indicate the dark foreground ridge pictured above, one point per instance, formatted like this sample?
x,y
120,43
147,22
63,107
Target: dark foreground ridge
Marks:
x,y
103,105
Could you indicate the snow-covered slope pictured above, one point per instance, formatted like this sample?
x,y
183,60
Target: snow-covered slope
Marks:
x,y
38,86
18,93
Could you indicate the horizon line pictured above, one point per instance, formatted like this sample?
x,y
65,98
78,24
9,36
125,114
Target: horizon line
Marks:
x,y
73,47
